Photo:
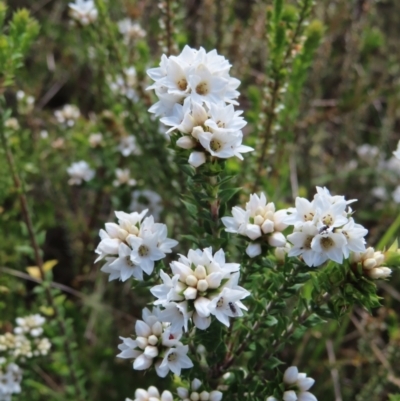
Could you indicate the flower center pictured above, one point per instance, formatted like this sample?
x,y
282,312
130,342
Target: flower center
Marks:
x,y
215,145
182,84
327,242
307,242
129,262
143,250
172,357
309,216
202,88
220,302
328,220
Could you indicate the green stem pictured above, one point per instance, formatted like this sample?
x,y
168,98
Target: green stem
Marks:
x,y
390,233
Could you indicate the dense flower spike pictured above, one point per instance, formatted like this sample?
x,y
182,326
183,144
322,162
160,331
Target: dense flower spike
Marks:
x,y
158,342
80,171
324,229
83,11
193,89
296,386
260,220
202,285
196,392
133,245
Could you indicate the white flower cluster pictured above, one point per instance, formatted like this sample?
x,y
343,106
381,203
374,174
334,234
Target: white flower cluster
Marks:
x,y
259,222
25,102
193,89
80,171
83,11
123,177
151,394
147,199
125,85
127,146
96,139
130,30
132,246
68,115
324,229
371,263
202,285
156,342
10,381
194,394
297,386
27,340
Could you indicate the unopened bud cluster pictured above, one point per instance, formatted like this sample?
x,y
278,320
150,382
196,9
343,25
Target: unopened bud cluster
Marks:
x,y
372,263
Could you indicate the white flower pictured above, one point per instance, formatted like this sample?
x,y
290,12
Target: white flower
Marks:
x,y
137,243
354,234
329,245
124,85
152,394
10,381
130,30
297,386
68,115
95,139
176,359
196,394
123,177
199,279
253,250
397,151
80,171
147,199
83,11
127,146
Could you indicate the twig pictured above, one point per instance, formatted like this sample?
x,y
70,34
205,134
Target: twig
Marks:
x,y
334,371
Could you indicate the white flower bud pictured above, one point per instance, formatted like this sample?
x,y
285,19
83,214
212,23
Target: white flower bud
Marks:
x,y
369,264
195,396
190,293
195,385
150,351
379,273
191,280
157,329
196,159
379,257
267,227
291,375
204,396
153,340
277,239
253,250
186,142
258,220
202,285
196,131
200,272
215,396
289,396
142,342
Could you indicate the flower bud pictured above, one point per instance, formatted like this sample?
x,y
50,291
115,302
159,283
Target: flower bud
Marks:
x,y
253,250
190,293
195,396
291,375
200,272
142,342
379,273
151,351
204,396
267,227
153,340
191,280
186,142
258,220
157,329
196,159
277,239
369,264
196,131
202,285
